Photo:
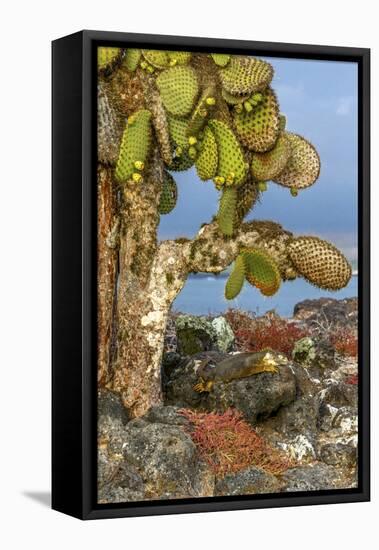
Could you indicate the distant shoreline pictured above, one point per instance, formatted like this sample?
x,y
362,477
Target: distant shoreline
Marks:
x,y
225,274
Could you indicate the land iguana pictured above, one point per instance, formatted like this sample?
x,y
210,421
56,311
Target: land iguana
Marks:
x,y
237,366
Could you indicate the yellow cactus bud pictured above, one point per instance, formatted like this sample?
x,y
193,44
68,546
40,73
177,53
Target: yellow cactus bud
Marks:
x,y
150,69
248,106
139,165
178,151
294,192
192,140
173,62
210,101
262,186
219,180
257,97
192,152
143,64
230,179
136,177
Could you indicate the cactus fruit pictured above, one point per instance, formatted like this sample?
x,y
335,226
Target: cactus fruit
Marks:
x,y
221,59
179,88
236,279
157,58
207,160
245,75
227,211
258,129
320,263
261,271
109,128
179,58
169,194
303,166
265,166
132,59
231,161
135,144
107,58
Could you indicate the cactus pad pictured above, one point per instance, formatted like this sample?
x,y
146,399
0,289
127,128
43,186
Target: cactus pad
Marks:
x,y
179,88
178,130
179,58
221,59
131,59
320,263
258,129
107,58
169,194
247,195
231,161
109,128
303,166
265,166
135,144
236,279
245,75
227,211
261,271
207,160
157,58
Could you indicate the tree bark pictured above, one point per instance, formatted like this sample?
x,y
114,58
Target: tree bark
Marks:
x,y
106,267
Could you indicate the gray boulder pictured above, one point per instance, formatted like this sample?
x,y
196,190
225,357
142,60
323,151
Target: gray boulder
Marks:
x,y
251,481
224,334
194,334
312,477
165,457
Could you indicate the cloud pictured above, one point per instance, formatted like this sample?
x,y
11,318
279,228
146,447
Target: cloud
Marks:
x,y
344,105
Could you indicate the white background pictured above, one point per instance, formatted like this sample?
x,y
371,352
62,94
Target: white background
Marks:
x,y
26,31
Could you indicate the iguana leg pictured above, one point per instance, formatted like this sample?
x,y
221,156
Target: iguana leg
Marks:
x,y
203,386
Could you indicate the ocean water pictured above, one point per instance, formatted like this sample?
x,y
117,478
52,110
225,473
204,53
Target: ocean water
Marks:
x,y
205,295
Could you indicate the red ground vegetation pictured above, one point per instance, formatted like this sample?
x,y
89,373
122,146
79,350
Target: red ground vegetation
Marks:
x,y
257,333
228,444
345,342
352,380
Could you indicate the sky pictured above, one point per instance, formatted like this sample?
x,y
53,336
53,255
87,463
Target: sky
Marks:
x,y
319,99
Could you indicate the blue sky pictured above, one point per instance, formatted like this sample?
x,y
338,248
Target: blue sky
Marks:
x,y
319,99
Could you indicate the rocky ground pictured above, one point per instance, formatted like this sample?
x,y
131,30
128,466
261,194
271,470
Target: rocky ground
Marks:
x,y
307,412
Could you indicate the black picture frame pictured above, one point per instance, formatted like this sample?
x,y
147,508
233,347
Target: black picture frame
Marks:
x,y
74,274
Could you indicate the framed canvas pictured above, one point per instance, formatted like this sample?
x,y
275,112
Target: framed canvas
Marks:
x,y
210,275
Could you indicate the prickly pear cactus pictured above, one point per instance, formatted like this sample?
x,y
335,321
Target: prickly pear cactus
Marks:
x,y
134,149
261,271
218,113
169,194
227,211
320,263
236,279
303,167
179,88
